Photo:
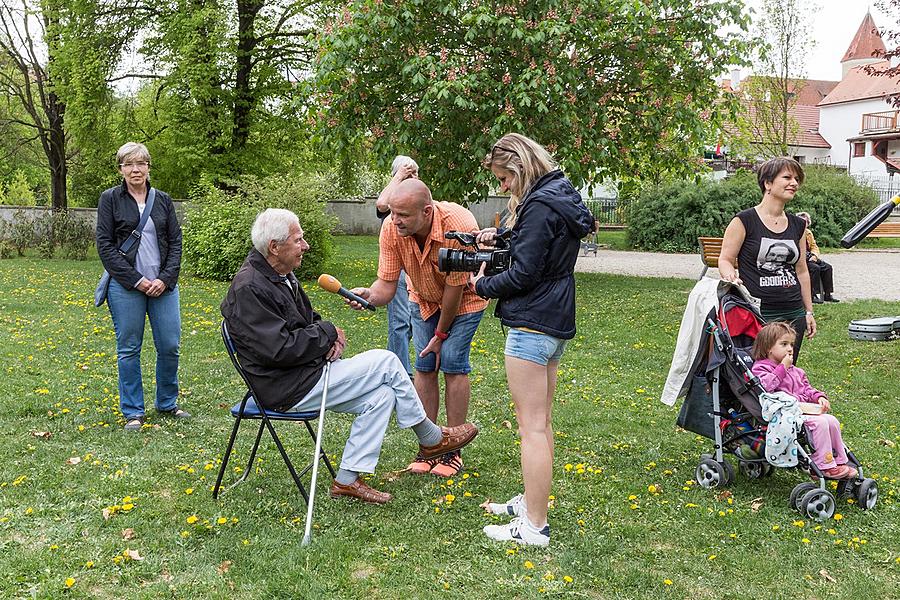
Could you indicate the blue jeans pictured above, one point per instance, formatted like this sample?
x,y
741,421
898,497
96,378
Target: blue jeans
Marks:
x,y
400,324
129,309
454,350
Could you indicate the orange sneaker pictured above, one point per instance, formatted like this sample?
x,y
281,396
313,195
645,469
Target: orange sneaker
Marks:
x,y
449,465
420,465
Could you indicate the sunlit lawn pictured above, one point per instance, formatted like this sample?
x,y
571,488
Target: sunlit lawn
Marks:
x,y
88,511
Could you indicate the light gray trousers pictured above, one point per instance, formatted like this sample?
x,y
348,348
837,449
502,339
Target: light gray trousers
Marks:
x,y
372,385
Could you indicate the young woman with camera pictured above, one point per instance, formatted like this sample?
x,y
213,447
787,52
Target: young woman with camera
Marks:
x,y
536,300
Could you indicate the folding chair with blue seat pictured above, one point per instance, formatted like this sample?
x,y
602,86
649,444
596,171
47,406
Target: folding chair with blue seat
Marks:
x,y
248,408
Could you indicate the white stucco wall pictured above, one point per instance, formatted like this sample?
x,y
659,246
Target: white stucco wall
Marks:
x,y
812,155
838,122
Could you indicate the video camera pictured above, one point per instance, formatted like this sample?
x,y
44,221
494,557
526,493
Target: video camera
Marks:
x,y
497,259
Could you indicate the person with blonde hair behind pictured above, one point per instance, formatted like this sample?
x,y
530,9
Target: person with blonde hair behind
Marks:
x,y
536,300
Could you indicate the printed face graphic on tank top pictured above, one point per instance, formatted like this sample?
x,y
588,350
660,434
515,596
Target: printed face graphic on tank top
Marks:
x,y
773,258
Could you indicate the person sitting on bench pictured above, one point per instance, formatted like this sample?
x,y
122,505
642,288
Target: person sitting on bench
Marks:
x,y
821,274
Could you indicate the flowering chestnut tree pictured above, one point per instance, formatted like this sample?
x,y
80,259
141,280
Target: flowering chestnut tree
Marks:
x,y
619,88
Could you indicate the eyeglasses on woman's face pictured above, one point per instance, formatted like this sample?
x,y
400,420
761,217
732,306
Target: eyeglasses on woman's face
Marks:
x,y
137,164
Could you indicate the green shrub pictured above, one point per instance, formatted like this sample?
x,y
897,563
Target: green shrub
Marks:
x,y
670,217
22,232
217,227
73,234
18,191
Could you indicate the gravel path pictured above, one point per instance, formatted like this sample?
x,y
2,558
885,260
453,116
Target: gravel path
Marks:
x,y
858,274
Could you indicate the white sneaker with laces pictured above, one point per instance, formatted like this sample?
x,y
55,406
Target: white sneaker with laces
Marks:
x,y
514,507
521,531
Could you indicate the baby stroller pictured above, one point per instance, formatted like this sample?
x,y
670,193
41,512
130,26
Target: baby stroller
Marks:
x,y
731,414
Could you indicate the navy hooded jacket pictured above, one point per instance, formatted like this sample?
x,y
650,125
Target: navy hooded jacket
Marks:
x,y
538,290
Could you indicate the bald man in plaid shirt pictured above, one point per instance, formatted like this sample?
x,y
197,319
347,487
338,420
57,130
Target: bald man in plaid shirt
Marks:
x,y
445,309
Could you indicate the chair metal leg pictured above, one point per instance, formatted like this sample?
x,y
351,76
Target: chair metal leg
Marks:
x,y
287,460
234,430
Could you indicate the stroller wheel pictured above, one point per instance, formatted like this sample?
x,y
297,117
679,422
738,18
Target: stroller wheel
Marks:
x,y
799,490
867,494
817,504
710,474
754,470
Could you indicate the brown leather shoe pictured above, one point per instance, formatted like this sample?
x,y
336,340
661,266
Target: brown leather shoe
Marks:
x,y
360,489
454,438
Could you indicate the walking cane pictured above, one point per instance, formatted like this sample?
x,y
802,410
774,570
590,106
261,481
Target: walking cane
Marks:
x,y
316,459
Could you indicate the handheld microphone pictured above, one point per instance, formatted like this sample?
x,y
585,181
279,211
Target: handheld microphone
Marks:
x,y
869,222
330,284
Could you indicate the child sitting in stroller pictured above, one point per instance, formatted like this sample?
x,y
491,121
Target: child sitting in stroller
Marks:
x,y
773,355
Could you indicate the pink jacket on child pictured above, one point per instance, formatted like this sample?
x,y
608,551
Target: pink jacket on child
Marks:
x,y
775,378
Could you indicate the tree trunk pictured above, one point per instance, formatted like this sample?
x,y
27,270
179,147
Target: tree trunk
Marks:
x,y
244,96
56,157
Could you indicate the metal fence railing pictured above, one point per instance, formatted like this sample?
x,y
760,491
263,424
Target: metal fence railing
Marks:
x,y
609,211
886,186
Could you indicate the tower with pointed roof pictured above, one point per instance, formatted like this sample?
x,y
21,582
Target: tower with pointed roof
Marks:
x,y
864,45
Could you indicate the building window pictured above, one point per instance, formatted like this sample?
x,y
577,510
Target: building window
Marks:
x,y
859,149
800,159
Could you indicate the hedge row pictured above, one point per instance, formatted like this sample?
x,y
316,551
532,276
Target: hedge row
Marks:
x,y
671,216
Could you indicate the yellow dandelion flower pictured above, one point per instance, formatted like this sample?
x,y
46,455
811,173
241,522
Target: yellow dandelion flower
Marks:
x,y
711,557
189,491
838,516
567,579
805,540
651,488
798,523
632,497
192,519
127,507
510,551
832,531
776,527
529,564
245,542
667,581
450,497
185,534
29,510
221,521
89,564
548,576
69,582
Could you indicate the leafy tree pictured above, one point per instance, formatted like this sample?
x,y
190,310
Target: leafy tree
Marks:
x,y
225,75
56,56
767,127
620,88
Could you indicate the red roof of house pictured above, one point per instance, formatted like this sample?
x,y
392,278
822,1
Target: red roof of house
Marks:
x,y
807,119
859,85
809,91
866,41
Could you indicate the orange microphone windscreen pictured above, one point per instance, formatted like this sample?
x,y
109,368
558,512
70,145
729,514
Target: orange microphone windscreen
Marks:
x,y
329,283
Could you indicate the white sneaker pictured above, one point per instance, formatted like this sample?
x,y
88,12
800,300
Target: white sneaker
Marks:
x,y
521,531
514,507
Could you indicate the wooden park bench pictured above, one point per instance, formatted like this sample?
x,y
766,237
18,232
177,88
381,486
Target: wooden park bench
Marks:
x,y
710,248
886,230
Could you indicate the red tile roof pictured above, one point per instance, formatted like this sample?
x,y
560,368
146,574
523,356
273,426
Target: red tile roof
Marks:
x,y
866,41
859,85
809,91
807,119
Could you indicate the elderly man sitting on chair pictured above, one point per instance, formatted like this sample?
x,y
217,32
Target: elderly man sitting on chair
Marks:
x,y
283,345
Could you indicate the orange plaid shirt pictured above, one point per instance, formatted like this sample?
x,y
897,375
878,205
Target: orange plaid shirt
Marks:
x,y
423,278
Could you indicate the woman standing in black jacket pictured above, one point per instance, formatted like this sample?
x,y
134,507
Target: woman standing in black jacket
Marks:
x,y
537,301
142,284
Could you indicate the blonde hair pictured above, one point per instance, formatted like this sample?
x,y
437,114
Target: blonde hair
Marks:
x,y
526,160
768,336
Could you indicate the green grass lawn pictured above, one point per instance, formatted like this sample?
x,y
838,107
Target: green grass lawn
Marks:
x,y
67,462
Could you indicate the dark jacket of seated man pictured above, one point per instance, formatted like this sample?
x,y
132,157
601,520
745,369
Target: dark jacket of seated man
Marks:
x,y
281,340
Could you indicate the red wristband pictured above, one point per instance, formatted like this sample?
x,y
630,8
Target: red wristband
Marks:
x,y
441,335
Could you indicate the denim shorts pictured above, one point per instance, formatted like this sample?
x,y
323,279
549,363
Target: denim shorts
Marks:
x,y
534,347
455,349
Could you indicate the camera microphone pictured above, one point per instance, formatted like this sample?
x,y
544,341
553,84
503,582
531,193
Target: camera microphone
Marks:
x,y
331,284
869,222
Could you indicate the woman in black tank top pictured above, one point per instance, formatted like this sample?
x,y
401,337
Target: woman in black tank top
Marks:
x,y
770,248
